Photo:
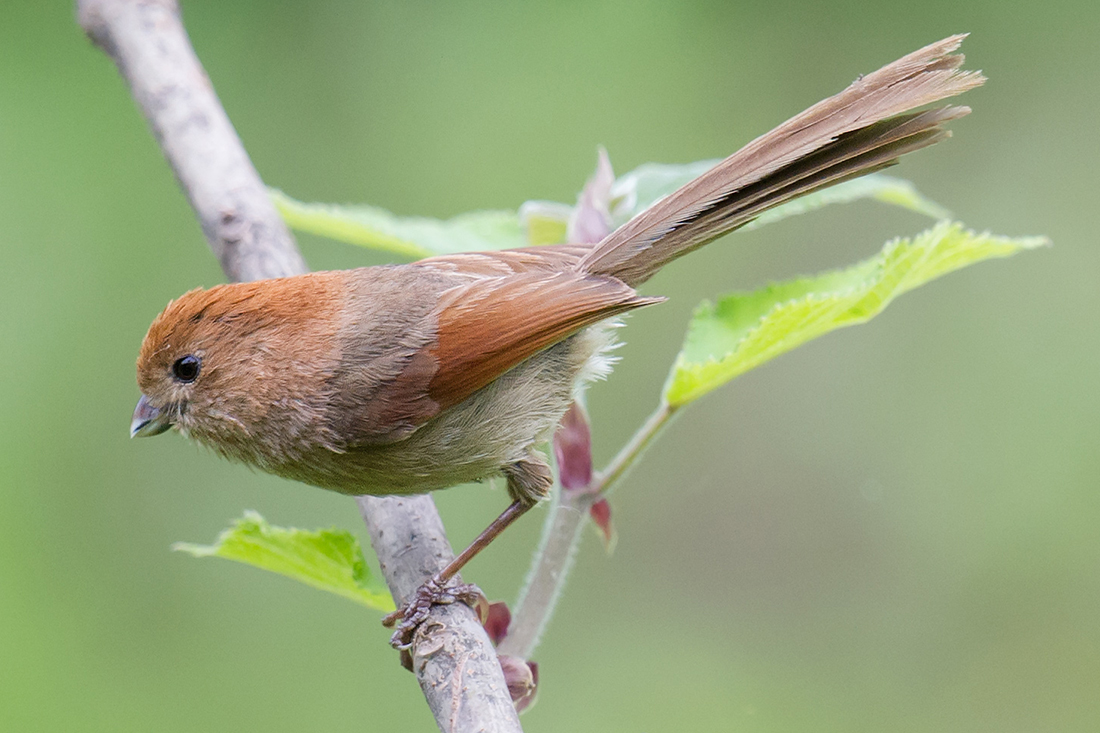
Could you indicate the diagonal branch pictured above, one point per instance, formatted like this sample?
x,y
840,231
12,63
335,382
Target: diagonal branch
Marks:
x,y
453,659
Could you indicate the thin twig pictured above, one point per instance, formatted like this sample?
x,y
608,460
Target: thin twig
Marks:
x,y
148,43
561,538
620,465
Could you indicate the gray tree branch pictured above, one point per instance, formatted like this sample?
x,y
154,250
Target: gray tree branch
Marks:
x,y
453,658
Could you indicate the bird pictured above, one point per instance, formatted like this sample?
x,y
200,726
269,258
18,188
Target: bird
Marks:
x,y
410,378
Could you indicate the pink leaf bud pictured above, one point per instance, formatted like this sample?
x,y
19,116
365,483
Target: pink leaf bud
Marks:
x,y
573,450
600,511
496,625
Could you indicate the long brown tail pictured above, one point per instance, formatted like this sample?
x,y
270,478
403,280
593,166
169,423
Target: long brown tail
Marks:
x,y
865,128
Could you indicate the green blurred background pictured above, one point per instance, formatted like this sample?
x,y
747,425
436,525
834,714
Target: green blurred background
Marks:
x,y
894,528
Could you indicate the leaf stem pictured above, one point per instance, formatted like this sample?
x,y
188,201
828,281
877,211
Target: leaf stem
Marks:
x,y
624,460
561,537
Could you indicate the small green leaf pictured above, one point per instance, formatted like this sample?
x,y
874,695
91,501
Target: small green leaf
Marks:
x,y
744,330
409,237
329,559
546,222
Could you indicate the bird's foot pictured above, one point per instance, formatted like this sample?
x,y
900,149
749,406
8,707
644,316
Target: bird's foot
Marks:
x,y
415,611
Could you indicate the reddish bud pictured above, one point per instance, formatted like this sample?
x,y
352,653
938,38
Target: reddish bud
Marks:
x,y
528,701
600,512
522,680
496,624
573,450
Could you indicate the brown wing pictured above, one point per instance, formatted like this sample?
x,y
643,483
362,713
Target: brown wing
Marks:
x,y
488,326
428,335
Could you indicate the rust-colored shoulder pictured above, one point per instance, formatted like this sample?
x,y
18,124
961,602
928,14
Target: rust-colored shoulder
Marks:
x,y
379,385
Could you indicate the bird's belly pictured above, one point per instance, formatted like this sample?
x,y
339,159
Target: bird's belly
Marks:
x,y
495,427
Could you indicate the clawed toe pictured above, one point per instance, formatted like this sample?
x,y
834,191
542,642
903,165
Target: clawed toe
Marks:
x,y
415,612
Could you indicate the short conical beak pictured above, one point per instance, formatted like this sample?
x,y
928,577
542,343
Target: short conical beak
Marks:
x,y
148,420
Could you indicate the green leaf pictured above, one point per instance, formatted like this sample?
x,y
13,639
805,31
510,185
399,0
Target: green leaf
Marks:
x,y
743,330
544,222
329,559
636,191
410,237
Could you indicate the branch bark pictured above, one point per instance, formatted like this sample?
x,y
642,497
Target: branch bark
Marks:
x,y
453,658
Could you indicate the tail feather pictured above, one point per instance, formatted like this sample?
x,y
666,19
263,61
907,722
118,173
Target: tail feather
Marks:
x,y
862,129
843,160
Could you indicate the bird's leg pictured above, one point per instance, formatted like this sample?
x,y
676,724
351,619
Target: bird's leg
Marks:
x,y
436,591
528,482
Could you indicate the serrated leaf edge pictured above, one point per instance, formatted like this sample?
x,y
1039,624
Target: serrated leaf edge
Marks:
x,y
362,594
938,232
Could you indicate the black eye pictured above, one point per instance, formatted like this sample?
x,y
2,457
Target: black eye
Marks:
x,y
186,368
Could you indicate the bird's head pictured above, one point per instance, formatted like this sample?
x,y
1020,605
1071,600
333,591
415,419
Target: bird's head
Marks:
x,y
216,363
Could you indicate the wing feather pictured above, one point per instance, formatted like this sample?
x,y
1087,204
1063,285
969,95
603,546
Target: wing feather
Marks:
x,y
489,326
